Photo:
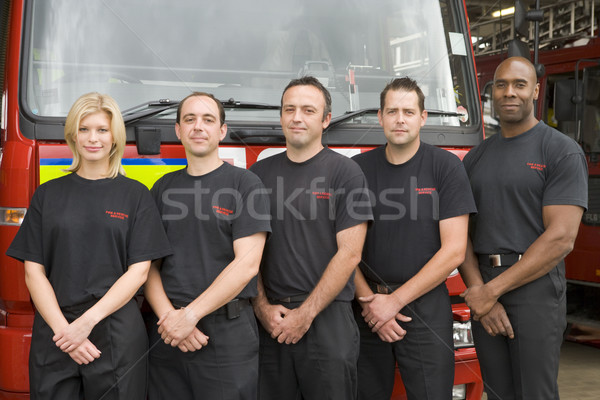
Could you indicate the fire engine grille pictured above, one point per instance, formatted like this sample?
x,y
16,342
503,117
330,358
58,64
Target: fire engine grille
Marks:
x,y
592,215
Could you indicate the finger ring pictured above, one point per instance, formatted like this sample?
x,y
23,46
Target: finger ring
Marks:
x,y
371,323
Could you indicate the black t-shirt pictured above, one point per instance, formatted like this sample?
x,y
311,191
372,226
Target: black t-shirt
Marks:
x,y
87,232
202,216
310,203
514,178
409,200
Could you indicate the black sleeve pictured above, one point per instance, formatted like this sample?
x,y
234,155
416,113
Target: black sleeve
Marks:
x,y
456,197
255,215
28,243
147,238
468,160
567,183
353,206
156,190
471,159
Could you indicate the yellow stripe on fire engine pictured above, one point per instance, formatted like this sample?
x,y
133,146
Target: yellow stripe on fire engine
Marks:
x,y
143,170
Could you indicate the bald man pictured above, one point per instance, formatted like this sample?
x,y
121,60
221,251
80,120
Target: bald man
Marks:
x,y
530,187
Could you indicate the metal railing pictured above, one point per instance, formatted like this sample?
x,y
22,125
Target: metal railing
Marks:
x,y
564,22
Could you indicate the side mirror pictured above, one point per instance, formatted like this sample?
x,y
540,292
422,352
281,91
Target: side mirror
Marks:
x,y
521,22
147,140
565,92
522,18
518,48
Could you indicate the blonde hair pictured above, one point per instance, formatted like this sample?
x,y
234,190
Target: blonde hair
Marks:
x,y
92,103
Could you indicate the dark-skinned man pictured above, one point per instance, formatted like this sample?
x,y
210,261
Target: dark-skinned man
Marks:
x,y
530,187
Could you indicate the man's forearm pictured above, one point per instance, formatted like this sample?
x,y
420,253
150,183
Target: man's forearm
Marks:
x,y
469,269
361,285
224,288
339,270
430,276
557,241
232,280
332,282
261,296
453,238
541,257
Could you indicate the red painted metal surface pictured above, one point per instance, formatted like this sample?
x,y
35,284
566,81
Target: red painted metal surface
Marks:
x,y
14,350
17,183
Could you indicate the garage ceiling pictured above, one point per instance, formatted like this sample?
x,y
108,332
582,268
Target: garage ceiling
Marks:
x,y
564,22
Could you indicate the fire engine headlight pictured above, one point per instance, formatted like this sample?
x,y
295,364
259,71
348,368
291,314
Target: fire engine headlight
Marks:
x,y
459,392
12,216
462,334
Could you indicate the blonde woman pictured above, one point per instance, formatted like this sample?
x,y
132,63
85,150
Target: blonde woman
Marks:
x,y
87,242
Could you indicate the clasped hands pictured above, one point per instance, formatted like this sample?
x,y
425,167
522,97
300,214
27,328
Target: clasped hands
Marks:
x,y
283,324
178,329
73,339
486,309
382,313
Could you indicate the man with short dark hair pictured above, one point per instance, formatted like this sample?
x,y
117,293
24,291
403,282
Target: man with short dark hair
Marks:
x,y
216,217
421,205
530,187
309,340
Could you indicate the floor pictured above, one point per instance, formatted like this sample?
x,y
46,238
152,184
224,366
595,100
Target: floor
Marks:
x,y
579,373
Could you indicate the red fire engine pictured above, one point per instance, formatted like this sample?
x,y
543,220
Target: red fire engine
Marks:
x,y
149,54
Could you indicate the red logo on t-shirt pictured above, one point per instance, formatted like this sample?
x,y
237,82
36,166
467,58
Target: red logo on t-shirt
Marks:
x,y
425,190
322,195
536,166
221,210
116,214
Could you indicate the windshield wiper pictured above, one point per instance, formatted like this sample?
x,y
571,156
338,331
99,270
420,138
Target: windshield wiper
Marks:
x,y
152,108
445,113
148,109
248,105
348,116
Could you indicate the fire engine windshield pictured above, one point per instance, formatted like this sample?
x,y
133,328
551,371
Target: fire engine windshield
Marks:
x,y
141,51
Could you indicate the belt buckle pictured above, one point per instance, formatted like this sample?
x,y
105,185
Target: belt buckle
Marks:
x,y
382,289
495,260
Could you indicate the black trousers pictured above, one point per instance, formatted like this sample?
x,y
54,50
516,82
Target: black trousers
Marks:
x,y
525,367
119,373
322,365
227,368
425,358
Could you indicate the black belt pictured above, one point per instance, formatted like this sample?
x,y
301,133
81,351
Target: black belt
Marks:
x,y
385,288
498,260
231,310
291,299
